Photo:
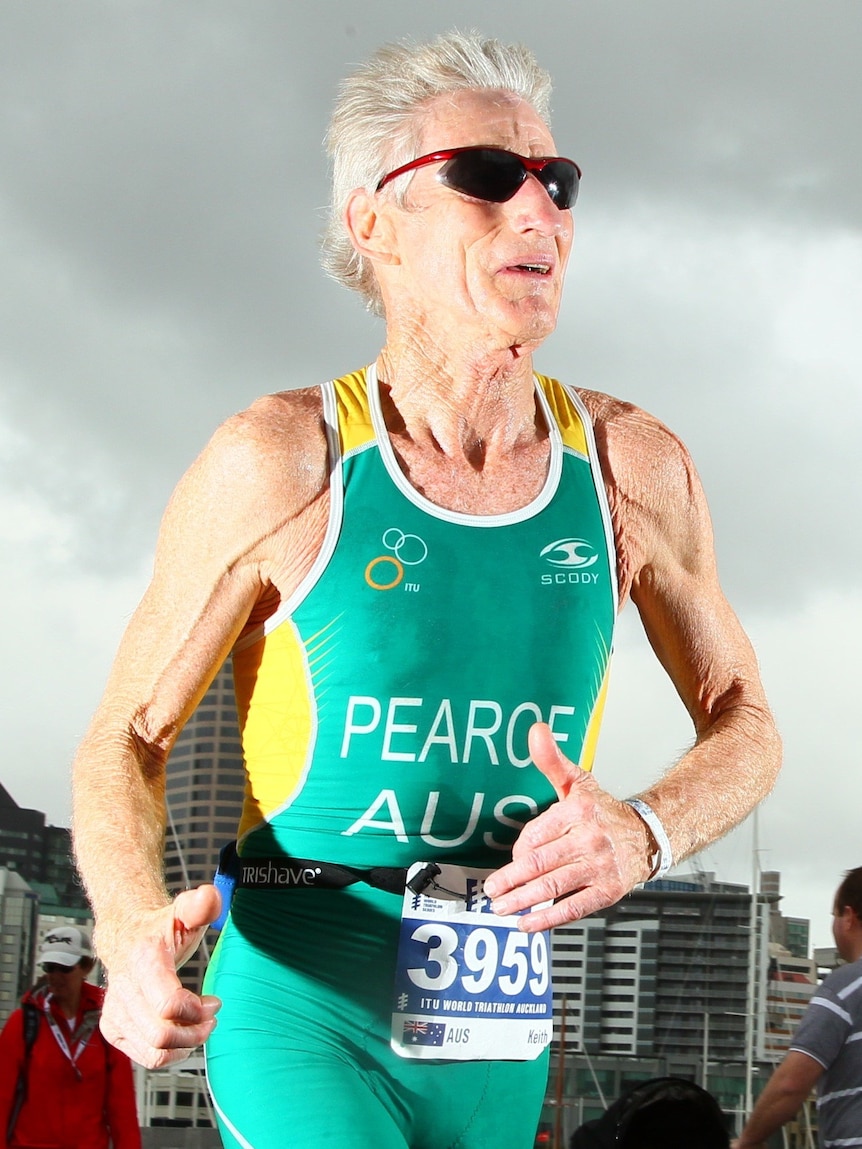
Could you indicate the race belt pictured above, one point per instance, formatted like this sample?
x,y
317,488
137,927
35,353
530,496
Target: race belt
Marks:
x,y
283,872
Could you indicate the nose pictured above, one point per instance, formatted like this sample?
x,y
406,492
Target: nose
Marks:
x,y
534,210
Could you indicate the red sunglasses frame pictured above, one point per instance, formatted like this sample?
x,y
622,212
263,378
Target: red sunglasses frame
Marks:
x,y
531,164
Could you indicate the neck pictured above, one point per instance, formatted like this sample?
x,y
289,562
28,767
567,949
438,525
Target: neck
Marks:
x,y
465,405
68,1004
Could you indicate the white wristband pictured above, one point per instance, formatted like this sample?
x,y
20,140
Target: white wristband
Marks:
x,y
664,861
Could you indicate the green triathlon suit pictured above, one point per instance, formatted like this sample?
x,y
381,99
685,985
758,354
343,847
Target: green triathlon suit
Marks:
x,y
385,709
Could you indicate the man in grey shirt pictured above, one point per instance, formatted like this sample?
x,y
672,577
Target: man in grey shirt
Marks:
x,y
826,1049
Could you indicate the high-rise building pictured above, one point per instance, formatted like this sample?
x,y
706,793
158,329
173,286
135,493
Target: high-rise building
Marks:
x,y
674,980
21,834
205,786
792,933
577,954
664,972
604,986
37,878
39,853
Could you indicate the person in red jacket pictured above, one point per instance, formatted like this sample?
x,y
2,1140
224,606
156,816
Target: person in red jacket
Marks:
x,y
65,1087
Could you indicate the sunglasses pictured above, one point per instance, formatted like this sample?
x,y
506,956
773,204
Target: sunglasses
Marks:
x,y
495,175
55,967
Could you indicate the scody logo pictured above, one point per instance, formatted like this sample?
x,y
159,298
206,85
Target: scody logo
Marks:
x,y
575,555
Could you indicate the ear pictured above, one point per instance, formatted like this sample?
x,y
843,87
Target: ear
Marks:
x,y
369,225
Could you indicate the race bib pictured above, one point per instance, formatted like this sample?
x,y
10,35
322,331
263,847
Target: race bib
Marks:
x,y
469,986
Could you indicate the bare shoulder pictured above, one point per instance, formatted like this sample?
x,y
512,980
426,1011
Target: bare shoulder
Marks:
x,y
636,448
655,494
256,498
264,465
276,444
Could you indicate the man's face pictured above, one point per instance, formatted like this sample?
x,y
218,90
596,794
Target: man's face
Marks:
x,y
841,926
472,270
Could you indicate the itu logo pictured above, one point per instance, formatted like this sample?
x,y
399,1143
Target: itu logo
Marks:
x,y
573,553
387,571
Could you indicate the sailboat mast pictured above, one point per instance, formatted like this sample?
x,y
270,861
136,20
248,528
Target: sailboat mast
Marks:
x,y
561,1069
750,1027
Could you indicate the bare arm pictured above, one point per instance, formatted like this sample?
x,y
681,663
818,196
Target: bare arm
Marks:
x,y
698,639
589,849
781,1100
241,528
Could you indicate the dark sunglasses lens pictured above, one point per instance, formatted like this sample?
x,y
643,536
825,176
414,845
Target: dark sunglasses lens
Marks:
x,y
484,174
495,176
560,180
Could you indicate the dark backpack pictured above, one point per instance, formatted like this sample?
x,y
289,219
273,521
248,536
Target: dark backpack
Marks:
x,y
32,1017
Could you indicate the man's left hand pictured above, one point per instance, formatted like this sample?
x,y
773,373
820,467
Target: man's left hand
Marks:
x,y
588,850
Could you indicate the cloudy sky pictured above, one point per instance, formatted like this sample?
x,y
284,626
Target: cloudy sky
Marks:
x,y
161,191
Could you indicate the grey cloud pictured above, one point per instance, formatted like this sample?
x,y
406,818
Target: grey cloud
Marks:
x,y
734,106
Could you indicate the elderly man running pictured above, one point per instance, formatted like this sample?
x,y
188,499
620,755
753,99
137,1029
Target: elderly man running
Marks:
x,y
418,569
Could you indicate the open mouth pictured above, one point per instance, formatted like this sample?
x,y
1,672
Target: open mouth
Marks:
x,y
533,268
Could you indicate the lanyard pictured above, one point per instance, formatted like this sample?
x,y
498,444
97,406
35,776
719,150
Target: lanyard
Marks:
x,y
79,1037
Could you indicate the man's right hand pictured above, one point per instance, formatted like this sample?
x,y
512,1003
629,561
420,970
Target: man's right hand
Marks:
x,y
147,1013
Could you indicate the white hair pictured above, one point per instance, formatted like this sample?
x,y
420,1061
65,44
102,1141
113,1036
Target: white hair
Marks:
x,y
376,123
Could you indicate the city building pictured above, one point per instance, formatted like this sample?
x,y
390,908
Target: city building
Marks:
x,y
19,907
827,958
205,787
687,976
666,970
671,980
604,986
39,887
791,983
794,934
176,1097
38,852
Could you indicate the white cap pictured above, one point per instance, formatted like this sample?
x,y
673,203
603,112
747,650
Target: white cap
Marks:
x,y
65,945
